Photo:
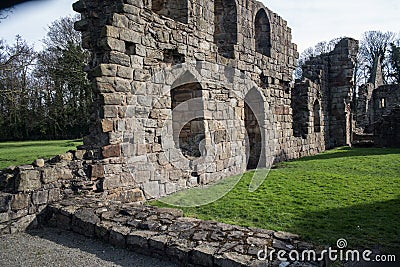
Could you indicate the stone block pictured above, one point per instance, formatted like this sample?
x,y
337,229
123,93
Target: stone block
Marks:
x,y
111,151
65,157
5,200
40,197
96,171
20,201
232,259
102,70
38,163
125,72
118,236
84,221
28,180
54,195
112,44
119,58
120,21
151,189
127,196
110,31
80,154
49,175
139,239
203,255
158,243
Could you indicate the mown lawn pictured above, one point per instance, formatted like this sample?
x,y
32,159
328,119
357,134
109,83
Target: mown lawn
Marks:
x,y
342,193
18,153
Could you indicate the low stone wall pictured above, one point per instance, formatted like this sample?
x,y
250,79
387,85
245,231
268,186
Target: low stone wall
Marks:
x,y
165,233
26,191
61,192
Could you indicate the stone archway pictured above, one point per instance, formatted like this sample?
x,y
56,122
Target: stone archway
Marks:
x,y
254,115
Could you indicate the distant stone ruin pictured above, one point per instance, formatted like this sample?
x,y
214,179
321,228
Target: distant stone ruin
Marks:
x,y
377,113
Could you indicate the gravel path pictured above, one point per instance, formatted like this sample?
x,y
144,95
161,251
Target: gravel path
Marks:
x,y
53,247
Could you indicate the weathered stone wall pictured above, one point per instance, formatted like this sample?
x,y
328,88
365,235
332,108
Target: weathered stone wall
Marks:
x,y
25,191
387,129
334,74
179,83
364,106
384,99
166,234
386,115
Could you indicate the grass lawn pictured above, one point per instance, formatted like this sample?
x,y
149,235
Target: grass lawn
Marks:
x,y
18,153
342,193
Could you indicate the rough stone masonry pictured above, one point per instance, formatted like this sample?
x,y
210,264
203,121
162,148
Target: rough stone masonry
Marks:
x,y
189,92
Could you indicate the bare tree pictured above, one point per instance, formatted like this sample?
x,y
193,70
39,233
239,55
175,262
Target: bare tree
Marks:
x,y
375,45
395,62
45,94
16,83
61,33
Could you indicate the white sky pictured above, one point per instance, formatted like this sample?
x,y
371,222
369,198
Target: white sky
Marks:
x,y
311,21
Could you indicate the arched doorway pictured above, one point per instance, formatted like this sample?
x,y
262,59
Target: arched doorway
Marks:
x,y
254,120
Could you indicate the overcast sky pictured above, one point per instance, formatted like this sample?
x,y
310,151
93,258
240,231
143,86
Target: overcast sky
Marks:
x,y
311,20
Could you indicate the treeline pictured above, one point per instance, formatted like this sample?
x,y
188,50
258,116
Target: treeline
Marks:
x,y
374,45
45,95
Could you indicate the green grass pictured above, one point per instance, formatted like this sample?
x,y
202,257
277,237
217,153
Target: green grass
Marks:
x,y
342,193
18,153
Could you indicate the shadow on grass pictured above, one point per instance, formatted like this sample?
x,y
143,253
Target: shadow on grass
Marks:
x,y
373,226
347,152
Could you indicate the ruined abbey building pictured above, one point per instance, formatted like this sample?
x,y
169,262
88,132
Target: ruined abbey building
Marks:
x,y
377,112
188,93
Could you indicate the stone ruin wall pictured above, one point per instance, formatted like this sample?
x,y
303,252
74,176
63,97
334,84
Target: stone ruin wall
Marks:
x,y
236,82
386,116
377,112
143,62
225,57
332,74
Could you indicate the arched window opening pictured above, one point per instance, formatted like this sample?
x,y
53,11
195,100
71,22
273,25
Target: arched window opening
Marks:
x,y
263,33
225,27
317,117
